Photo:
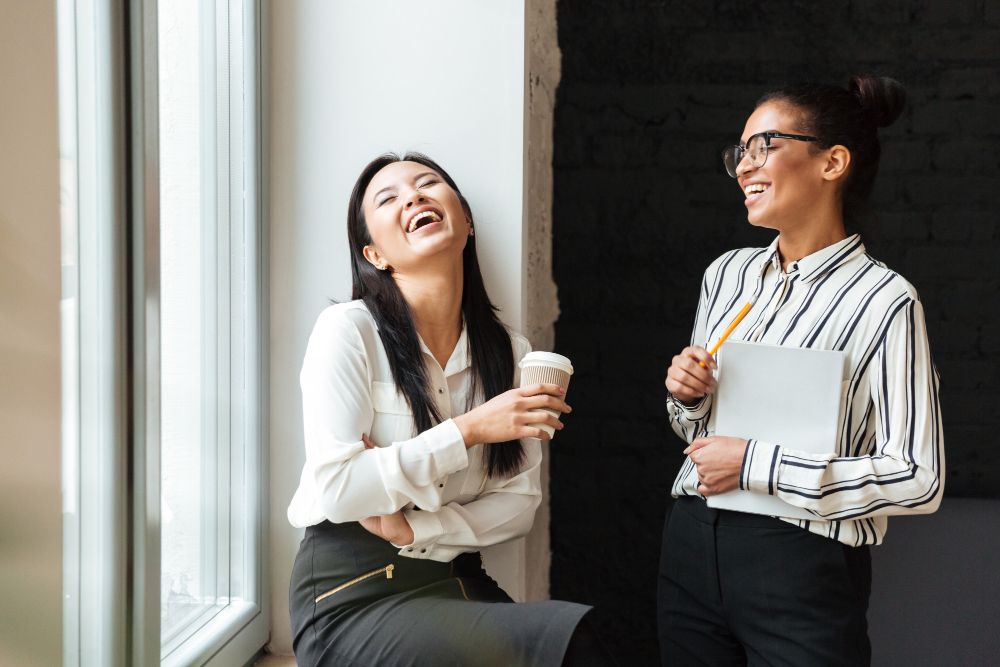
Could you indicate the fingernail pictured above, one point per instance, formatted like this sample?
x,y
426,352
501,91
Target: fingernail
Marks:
x,y
561,390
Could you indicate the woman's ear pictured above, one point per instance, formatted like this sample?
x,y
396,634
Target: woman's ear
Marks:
x,y
837,160
373,257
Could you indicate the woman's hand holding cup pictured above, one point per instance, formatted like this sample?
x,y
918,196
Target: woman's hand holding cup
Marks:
x,y
509,416
687,379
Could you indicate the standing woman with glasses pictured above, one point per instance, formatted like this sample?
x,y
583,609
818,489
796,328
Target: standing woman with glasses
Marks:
x,y
735,588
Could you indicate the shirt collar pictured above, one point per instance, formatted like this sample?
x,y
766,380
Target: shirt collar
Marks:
x,y
813,267
459,359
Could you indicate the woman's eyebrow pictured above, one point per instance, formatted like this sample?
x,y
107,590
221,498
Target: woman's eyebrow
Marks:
x,y
424,173
375,196
761,132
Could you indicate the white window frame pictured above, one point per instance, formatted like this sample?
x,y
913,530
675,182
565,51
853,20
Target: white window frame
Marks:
x,y
109,143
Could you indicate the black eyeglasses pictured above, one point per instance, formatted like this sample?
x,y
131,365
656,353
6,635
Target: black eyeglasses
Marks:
x,y
756,148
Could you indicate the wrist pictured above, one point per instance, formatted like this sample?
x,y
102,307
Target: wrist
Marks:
x,y
404,537
686,400
466,427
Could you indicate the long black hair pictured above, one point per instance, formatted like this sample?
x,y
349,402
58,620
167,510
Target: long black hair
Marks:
x,y
848,117
491,353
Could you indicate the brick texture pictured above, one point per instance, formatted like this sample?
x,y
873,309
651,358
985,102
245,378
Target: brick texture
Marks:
x,y
651,93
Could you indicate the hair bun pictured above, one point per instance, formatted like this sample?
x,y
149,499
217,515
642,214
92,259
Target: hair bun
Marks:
x,y
883,98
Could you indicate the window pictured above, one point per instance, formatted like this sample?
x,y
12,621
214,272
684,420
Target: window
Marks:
x,y
164,446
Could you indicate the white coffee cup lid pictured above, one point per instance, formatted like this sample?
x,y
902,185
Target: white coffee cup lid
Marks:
x,y
547,359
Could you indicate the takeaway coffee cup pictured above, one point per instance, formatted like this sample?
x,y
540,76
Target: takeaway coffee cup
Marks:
x,y
549,368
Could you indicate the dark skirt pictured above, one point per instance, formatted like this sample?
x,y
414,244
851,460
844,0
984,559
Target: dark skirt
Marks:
x,y
355,601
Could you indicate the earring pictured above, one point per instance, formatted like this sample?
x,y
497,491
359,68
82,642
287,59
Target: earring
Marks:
x,y
472,231
381,267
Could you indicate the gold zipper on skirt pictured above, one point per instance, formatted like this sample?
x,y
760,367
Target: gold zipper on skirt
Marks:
x,y
388,575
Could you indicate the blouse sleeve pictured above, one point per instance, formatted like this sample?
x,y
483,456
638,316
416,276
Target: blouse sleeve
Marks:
x,y
505,510
690,422
352,482
904,474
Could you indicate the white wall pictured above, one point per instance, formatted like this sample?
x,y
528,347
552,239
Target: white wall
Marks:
x,y
350,80
30,407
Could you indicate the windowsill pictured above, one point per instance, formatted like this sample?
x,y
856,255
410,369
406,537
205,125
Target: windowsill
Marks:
x,y
212,636
275,661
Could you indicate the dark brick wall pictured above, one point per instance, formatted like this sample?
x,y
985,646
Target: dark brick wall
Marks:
x,y
651,92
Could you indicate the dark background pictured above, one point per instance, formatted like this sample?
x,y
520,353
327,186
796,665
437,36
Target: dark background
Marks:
x,y
651,93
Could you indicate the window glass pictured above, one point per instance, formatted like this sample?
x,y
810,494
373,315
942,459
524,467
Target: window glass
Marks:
x,y
192,372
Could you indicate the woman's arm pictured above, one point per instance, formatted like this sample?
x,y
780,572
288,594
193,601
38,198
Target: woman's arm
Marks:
x,y
503,512
689,396
905,475
354,482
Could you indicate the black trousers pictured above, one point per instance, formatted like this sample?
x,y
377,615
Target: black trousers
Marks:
x,y
744,589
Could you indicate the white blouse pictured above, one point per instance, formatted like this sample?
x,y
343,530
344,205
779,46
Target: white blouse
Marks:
x,y
347,391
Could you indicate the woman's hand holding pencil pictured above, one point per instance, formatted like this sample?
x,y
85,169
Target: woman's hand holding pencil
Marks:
x,y
690,375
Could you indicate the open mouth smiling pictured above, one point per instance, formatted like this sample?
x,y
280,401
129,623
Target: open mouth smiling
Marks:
x,y
755,191
422,219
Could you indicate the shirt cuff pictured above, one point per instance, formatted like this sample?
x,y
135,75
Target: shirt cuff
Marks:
x,y
446,442
693,413
427,531
761,462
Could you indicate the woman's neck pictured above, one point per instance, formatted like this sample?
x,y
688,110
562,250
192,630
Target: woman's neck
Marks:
x,y
435,299
804,240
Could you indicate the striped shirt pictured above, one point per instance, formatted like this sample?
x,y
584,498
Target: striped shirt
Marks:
x,y
889,456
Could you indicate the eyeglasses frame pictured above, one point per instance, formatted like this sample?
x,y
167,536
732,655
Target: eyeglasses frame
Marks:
x,y
767,143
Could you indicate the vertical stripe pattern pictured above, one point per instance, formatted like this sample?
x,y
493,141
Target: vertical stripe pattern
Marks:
x,y
889,456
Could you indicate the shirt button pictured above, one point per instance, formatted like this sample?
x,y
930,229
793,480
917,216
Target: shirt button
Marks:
x,y
423,551
440,486
441,390
409,549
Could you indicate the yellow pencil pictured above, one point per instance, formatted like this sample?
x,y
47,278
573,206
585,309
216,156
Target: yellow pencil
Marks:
x,y
739,318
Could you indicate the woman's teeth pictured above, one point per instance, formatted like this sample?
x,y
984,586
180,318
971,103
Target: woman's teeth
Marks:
x,y
415,220
754,189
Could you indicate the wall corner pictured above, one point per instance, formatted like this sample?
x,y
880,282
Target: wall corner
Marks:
x,y
542,303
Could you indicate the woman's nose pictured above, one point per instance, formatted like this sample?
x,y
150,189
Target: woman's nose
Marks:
x,y
415,200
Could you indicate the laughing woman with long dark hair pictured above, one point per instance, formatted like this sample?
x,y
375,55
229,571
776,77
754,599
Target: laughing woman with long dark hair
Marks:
x,y
419,450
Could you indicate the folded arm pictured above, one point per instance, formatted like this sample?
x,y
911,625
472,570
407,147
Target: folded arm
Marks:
x,y
354,482
504,511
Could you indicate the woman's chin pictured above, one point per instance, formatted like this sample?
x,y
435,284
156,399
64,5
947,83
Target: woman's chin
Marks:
x,y
435,243
758,217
